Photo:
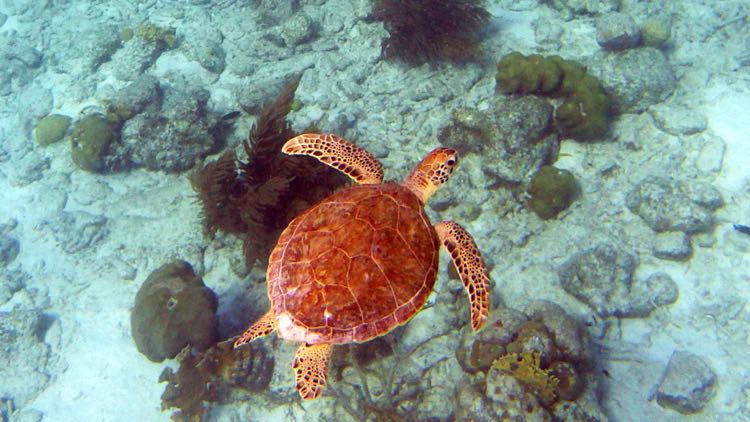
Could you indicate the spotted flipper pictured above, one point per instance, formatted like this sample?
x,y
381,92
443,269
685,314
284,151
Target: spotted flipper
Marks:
x,y
470,266
310,368
261,328
338,153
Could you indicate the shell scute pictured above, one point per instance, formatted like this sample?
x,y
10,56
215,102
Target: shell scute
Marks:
x,y
384,325
312,244
295,276
393,257
378,211
409,227
331,268
346,212
355,238
306,299
405,311
342,308
372,290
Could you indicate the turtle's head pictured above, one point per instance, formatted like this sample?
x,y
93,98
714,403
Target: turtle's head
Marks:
x,y
432,172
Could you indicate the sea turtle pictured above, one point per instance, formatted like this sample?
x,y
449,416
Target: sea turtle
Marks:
x,y
362,261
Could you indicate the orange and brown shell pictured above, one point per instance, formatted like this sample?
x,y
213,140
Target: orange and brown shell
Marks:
x,y
354,266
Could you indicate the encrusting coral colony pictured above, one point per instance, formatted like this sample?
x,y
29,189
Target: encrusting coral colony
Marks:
x,y
350,257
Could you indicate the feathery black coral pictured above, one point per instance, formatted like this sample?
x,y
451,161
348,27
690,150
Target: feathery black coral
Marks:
x,y
219,191
431,30
258,197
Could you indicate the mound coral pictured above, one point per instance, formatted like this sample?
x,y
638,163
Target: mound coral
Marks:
x,y
551,191
258,197
90,142
51,129
431,30
173,309
584,112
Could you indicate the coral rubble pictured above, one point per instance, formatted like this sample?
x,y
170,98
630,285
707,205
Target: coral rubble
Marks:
x,y
208,376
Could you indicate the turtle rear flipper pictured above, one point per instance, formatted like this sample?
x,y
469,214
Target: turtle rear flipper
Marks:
x,y
310,368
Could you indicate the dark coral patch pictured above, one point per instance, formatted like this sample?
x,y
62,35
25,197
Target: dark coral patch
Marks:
x,y
424,31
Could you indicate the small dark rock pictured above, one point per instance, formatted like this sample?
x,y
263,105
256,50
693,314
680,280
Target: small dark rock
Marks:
x,y
678,120
478,351
8,250
635,79
670,205
617,31
173,137
688,384
674,246
77,230
24,355
570,337
662,289
514,134
603,278
11,281
145,91
15,48
585,7
596,276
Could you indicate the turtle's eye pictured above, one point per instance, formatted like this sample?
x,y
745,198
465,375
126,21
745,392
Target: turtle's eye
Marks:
x,y
451,162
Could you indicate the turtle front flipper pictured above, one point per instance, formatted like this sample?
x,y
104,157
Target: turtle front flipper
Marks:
x,y
310,368
338,153
470,266
260,328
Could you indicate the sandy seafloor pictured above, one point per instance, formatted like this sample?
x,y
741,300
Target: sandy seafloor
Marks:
x,y
95,372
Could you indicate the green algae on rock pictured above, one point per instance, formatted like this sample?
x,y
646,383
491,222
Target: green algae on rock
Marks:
x,y
51,128
173,309
127,34
655,32
163,37
551,191
90,142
